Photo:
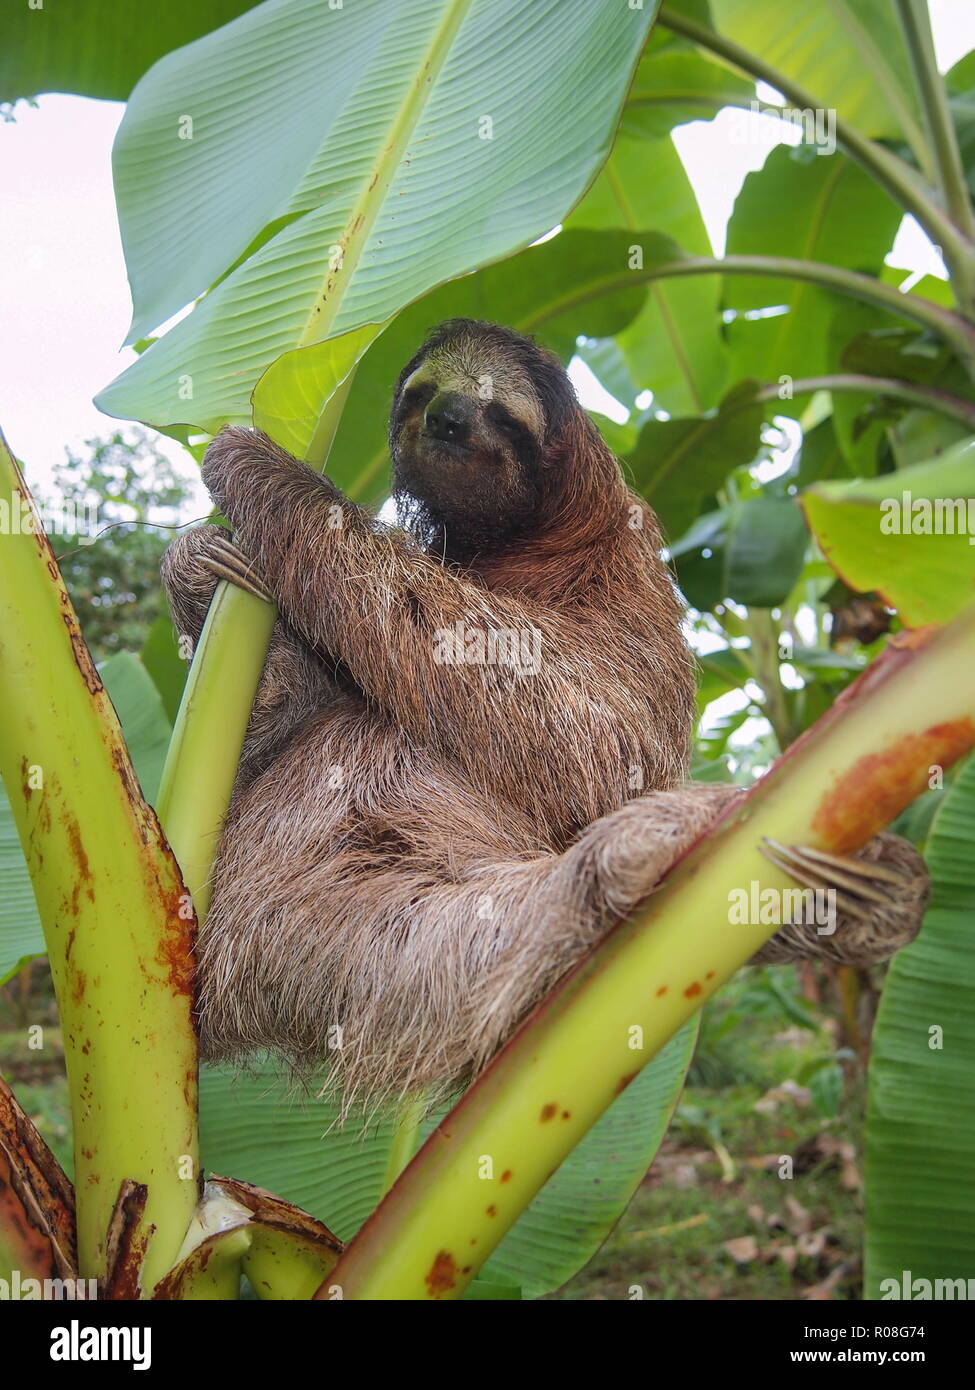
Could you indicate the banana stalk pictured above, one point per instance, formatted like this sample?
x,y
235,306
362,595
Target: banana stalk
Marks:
x,y
118,924
201,761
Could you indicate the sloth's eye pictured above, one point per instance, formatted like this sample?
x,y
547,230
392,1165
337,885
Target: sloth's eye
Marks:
x,y
506,422
416,397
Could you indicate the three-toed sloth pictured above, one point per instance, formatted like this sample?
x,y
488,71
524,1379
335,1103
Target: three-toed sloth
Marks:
x,y
467,756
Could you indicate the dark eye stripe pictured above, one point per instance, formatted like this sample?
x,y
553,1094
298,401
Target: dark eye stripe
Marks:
x,y
506,421
417,395
412,399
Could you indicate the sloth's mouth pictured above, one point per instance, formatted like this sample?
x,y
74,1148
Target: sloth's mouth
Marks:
x,y
451,447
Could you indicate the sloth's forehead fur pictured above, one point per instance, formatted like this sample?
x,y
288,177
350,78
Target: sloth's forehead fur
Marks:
x,y
491,363
477,367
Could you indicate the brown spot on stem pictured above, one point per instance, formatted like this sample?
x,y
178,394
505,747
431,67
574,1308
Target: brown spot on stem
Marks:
x,y
878,786
76,848
506,1175
126,1242
79,649
549,1112
692,990
443,1274
176,950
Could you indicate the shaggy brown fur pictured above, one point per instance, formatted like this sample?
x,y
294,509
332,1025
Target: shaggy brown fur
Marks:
x,y
432,823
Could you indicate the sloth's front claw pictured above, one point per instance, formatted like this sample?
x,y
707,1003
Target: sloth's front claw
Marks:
x,y
227,561
856,883
880,897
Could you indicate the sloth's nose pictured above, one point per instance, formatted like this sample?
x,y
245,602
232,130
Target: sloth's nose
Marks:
x,y
449,417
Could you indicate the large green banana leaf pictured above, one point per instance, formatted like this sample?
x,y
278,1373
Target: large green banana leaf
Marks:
x,y
909,538
675,346
920,1150
340,163
819,207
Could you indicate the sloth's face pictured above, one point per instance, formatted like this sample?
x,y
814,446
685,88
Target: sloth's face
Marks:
x,y
466,437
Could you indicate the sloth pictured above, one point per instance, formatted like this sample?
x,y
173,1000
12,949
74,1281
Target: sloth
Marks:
x,y
468,754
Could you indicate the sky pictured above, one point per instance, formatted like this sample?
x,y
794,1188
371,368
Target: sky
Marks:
x,y
63,287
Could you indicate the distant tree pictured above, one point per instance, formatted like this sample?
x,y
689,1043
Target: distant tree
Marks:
x,y
112,569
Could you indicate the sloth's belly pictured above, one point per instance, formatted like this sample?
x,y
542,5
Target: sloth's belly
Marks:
x,y
351,779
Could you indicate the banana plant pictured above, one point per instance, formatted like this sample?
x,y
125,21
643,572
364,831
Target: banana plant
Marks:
x,y
285,231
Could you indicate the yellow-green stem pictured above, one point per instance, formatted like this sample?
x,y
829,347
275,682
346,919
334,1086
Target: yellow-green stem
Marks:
x,y
916,26
408,1118
201,763
204,751
117,922
764,656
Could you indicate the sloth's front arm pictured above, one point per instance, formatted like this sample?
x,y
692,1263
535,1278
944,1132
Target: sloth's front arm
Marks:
x,y
504,684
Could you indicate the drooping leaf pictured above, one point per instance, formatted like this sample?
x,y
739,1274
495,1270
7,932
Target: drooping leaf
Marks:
x,y
905,535
763,551
751,551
